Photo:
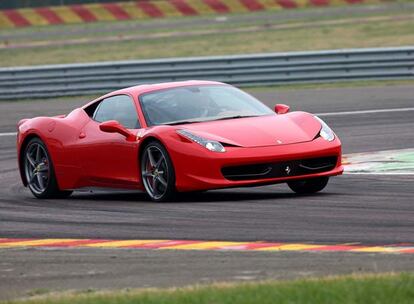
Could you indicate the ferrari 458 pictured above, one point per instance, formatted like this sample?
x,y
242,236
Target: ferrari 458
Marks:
x,y
176,137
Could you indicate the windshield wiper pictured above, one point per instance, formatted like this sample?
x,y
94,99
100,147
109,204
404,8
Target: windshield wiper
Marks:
x,y
182,122
235,117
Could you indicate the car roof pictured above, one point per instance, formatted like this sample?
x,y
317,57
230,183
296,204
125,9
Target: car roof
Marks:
x,y
145,88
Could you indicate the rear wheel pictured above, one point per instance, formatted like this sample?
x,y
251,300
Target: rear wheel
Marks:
x,y
39,171
157,173
311,185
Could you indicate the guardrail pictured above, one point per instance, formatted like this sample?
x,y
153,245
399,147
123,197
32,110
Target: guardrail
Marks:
x,y
243,70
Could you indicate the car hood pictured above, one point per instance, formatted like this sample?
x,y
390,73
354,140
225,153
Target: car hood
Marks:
x,y
269,130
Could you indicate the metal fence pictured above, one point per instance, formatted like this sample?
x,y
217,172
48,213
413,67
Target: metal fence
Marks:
x,y
243,70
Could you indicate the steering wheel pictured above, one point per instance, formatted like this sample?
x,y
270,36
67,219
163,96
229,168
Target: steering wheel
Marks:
x,y
156,116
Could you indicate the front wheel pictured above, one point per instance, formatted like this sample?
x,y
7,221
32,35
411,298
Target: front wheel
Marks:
x,y
308,186
39,171
157,173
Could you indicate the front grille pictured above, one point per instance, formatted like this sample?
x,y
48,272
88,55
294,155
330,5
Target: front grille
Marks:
x,y
280,169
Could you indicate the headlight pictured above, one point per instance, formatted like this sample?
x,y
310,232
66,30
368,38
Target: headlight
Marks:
x,y
325,132
211,145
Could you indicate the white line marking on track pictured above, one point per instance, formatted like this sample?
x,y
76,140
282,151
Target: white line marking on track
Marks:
x,y
381,163
365,112
318,114
378,173
8,134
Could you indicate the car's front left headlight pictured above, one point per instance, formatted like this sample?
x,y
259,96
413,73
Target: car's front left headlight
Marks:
x,y
325,132
211,145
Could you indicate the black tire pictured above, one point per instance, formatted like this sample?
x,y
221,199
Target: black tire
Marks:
x,y
158,181
308,186
41,168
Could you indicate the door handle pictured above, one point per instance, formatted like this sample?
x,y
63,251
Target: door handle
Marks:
x,y
82,135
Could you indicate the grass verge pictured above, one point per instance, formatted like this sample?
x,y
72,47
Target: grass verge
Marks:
x,y
386,29
386,288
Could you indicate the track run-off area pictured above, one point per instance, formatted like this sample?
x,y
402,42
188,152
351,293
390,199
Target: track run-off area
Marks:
x,y
362,222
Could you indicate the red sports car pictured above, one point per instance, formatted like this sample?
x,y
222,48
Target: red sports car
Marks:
x,y
176,137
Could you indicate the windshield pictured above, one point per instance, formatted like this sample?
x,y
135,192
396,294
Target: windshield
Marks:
x,y
199,103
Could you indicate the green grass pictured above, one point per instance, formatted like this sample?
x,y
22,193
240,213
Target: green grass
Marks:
x,y
390,29
387,288
152,26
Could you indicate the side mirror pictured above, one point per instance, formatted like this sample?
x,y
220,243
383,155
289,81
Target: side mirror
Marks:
x,y
281,108
112,126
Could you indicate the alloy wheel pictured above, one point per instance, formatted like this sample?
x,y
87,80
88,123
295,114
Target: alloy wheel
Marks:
x,y
37,168
155,172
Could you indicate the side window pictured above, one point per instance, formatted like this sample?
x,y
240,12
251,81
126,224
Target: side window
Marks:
x,y
120,108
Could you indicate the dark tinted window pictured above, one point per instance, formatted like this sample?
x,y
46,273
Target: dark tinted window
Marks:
x,y
120,108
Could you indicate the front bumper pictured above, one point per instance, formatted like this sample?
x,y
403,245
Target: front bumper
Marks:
x,y
196,168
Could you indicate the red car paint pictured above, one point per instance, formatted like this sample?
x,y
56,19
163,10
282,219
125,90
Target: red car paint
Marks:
x,y
85,156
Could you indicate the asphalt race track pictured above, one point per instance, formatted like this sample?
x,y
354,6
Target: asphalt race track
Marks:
x,y
368,209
